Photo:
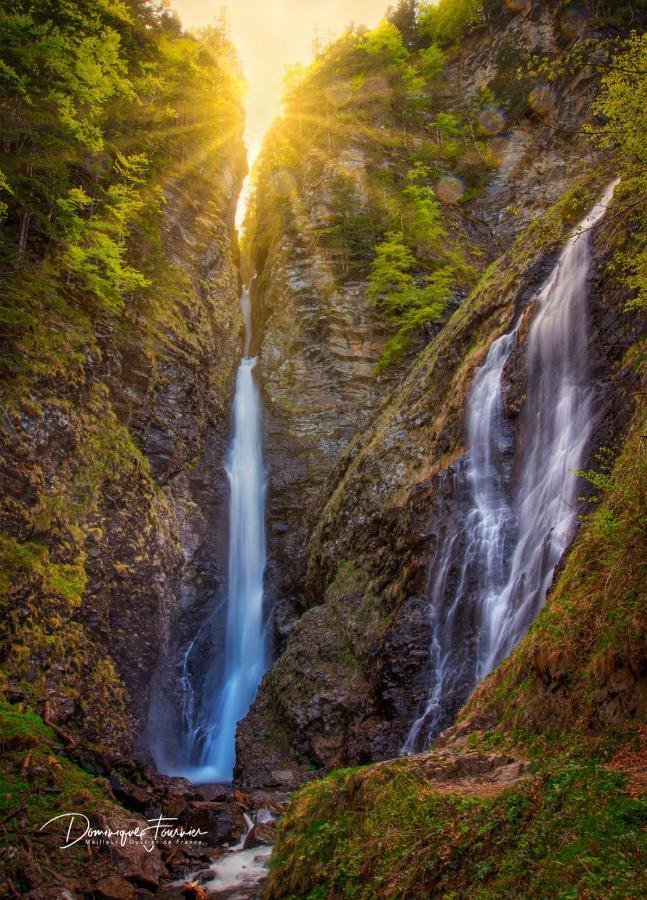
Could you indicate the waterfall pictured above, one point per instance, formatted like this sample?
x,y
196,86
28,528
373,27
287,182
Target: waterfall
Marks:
x,y
493,567
210,723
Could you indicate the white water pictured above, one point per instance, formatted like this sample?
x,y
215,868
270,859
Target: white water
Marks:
x,y
493,569
210,744
237,870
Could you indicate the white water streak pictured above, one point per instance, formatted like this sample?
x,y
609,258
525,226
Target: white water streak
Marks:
x,y
513,537
213,738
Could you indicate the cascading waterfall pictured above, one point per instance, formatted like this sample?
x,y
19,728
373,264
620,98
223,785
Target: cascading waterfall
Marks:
x,y
210,724
492,569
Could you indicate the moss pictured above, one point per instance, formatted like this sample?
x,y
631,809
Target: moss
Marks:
x,y
349,579
34,772
385,831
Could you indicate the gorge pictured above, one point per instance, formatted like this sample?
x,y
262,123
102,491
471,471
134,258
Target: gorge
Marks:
x,y
213,709
322,538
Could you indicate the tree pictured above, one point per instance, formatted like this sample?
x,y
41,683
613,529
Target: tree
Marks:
x,y
622,104
410,304
386,44
404,17
446,22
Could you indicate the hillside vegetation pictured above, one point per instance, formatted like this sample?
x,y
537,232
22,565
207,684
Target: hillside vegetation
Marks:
x,y
111,113
539,789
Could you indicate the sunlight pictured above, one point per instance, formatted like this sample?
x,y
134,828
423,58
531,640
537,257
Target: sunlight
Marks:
x,y
272,35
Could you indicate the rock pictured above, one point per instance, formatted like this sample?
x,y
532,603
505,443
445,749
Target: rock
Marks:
x,y
212,792
93,761
174,807
276,802
132,861
132,796
114,888
14,694
222,821
262,834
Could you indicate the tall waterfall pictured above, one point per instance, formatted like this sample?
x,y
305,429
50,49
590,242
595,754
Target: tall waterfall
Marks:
x,y
210,739
493,568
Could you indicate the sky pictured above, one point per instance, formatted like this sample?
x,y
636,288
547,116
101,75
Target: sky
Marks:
x,y
271,34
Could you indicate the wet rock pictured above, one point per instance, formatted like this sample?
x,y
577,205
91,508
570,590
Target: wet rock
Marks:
x,y
262,834
222,821
212,792
114,888
130,858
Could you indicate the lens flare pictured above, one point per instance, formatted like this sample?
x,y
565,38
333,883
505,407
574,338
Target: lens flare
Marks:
x,y
573,23
491,121
450,189
284,184
498,148
542,99
338,93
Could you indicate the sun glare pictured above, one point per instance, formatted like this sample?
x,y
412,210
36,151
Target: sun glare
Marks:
x,y
271,35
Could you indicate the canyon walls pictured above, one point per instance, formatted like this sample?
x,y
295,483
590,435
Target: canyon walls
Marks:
x,y
371,498
119,356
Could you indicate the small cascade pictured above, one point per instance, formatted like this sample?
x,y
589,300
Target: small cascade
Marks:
x,y
494,566
241,870
210,720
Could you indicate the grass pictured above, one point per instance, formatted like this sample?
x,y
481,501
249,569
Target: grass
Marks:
x,y
385,832
37,783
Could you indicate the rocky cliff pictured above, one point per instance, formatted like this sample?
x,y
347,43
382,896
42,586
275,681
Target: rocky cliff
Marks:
x,y
115,416
355,667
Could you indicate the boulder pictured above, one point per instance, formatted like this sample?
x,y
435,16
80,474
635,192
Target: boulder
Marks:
x,y
132,861
114,888
222,821
261,835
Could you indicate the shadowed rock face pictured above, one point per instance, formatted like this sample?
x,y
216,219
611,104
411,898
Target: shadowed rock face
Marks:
x,y
355,668
139,441
179,410
359,480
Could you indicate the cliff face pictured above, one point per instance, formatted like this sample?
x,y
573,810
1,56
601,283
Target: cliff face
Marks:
x,y
356,665
320,341
114,419
139,445
331,181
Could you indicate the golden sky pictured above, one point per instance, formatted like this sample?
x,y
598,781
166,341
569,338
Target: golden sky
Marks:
x,y
270,34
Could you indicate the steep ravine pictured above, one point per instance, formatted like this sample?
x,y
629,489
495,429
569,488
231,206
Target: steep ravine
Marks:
x,y
132,533
368,502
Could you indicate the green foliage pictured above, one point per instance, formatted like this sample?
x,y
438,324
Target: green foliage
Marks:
x,y
385,43
622,104
391,267
100,100
409,303
387,831
432,61
96,243
447,21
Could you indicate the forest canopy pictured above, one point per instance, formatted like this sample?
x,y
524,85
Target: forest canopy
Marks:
x,y
101,101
